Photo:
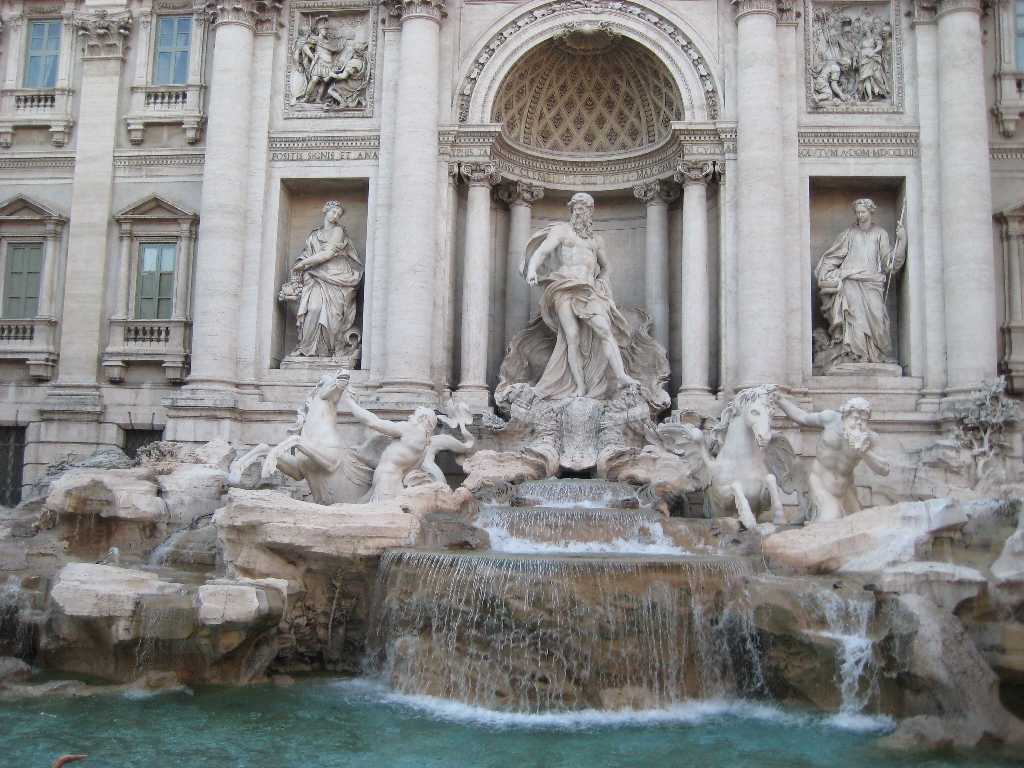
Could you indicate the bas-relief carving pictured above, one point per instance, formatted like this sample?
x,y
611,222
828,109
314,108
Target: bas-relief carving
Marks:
x,y
854,57
854,277
331,60
323,285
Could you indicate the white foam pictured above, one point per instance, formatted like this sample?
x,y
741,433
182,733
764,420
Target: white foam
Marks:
x,y
693,712
658,543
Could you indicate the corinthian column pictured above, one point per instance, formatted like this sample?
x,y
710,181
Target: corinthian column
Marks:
x,y
91,196
968,267
412,241
656,195
520,197
761,288
222,235
476,284
695,380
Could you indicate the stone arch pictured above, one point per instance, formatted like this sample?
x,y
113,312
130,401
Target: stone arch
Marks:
x,y
509,40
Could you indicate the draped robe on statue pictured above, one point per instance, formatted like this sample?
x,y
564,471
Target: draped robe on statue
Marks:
x,y
327,305
539,356
851,277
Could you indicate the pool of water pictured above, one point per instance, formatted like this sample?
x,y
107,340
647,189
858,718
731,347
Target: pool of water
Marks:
x,y
341,723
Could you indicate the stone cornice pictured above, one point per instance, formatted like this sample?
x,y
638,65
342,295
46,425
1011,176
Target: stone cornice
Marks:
x,y
323,147
37,162
103,33
832,143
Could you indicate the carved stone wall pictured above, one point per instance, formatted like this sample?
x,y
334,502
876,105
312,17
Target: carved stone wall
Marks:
x,y
331,50
853,56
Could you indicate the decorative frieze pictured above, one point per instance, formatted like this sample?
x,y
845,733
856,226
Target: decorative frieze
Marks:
x,y
835,143
318,148
854,56
332,46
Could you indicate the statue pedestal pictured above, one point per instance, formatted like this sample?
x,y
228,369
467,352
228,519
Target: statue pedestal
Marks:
x,y
863,369
301,362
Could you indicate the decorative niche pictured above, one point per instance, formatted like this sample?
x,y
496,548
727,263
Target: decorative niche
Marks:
x,y
832,215
853,56
332,48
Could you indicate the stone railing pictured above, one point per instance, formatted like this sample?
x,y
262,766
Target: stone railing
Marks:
x,y
33,341
33,108
164,342
168,105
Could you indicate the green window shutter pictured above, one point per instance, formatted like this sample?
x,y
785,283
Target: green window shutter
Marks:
x,y
21,280
154,294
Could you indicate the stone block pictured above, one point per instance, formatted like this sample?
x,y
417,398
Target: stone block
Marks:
x,y
944,584
85,590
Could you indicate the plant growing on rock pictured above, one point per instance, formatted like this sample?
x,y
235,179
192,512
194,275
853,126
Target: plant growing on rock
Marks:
x,y
980,422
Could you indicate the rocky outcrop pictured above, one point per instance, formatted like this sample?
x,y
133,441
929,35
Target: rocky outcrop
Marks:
x,y
946,585
13,670
866,541
944,681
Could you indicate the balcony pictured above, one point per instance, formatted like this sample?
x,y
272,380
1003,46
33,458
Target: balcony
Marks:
x,y
148,341
33,108
168,105
33,341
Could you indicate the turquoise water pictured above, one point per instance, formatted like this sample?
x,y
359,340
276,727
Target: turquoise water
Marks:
x,y
337,724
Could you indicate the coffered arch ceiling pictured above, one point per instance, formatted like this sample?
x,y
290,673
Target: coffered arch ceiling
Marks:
x,y
588,92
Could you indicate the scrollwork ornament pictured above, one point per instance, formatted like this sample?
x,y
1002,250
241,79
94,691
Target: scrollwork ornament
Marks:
x,y
656,191
520,193
695,172
480,174
103,33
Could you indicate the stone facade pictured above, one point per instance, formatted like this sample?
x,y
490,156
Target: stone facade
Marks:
x,y
724,143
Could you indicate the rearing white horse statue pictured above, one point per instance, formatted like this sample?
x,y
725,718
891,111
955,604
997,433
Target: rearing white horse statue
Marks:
x,y
740,470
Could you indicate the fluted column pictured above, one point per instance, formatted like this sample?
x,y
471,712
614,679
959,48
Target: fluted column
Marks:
x,y
656,195
222,235
476,284
968,269
122,310
760,279
695,379
48,281
413,229
183,270
520,197
84,317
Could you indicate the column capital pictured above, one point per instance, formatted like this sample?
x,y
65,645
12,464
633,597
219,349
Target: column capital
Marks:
x,y
103,33
480,174
435,10
774,8
923,11
956,6
656,192
519,193
256,15
695,172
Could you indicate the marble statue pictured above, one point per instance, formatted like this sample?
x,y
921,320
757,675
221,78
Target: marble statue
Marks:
x,y
740,459
844,442
850,57
854,276
324,283
582,344
400,453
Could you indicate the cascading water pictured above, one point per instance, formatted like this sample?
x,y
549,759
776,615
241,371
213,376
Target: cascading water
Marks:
x,y
848,622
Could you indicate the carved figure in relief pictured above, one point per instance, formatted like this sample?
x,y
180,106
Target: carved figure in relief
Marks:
x,y
853,276
844,442
316,59
739,460
347,82
849,60
324,281
331,65
592,349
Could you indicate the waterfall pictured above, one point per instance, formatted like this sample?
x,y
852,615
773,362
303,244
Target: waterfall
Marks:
x,y
156,558
848,621
575,493
545,633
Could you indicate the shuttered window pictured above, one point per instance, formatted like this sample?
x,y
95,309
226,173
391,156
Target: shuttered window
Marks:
x,y
154,293
43,54
21,279
173,41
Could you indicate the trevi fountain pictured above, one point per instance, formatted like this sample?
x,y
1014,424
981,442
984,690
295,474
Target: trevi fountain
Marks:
x,y
511,382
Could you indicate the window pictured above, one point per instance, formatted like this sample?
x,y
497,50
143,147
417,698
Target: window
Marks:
x,y
173,40
154,293
1019,19
21,281
12,457
43,54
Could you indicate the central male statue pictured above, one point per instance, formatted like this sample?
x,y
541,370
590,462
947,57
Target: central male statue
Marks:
x,y
595,346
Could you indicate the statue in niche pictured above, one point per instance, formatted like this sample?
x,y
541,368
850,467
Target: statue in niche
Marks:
x,y
854,276
581,345
332,66
323,284
850,57
845,440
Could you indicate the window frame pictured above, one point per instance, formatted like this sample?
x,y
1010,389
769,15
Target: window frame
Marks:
x,y
141,241
28,54
8,244
158,19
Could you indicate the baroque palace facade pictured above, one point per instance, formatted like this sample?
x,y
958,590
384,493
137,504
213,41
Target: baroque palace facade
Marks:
x,y
166,168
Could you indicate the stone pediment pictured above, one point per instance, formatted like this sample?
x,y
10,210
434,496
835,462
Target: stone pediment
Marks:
x,y
24,208
155,208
